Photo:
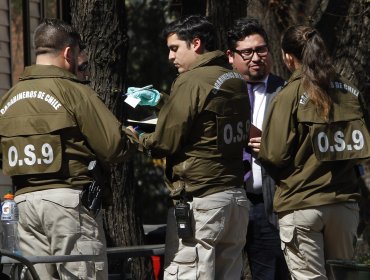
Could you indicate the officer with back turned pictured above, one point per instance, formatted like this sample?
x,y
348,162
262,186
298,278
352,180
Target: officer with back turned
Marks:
x,y
201,130
51,127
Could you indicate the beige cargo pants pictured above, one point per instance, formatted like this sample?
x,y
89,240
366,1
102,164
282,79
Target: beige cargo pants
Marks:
x,y
53,222
311,236
220,223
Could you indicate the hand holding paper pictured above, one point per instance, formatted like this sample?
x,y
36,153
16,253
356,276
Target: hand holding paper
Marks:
x,y
255,138
255,144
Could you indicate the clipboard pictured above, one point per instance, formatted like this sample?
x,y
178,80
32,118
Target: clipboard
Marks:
x,y
146,125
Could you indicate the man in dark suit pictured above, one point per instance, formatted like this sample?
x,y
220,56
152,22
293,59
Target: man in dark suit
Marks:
x,y
248,53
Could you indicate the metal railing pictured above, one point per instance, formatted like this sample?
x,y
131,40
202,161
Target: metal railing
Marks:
x,y
22,267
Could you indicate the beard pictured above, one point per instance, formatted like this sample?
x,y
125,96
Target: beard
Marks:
x,y
256,76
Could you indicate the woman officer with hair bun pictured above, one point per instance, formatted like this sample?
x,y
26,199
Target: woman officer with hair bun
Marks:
x,y
317,132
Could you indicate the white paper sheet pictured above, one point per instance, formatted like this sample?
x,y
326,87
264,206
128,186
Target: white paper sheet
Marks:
x,y
132,101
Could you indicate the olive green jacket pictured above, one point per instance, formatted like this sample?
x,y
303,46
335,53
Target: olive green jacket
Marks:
x,y
202,128
52,126
313,160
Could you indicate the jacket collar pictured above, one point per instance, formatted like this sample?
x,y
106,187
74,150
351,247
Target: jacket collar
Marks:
x,y
47,71
296,75
209,58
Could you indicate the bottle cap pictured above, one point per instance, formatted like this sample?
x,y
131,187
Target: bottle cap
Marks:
x,y
9,196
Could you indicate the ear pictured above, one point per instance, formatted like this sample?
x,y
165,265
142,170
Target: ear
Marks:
x,y
230,55
288,58
68,54
197,45
289,61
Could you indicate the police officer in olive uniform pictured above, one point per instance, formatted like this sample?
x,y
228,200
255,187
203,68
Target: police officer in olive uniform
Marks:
x,y
201,130
316,134
51,127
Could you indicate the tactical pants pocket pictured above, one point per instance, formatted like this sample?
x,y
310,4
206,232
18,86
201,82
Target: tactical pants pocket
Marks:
x,y
209,217
290,246
183,266
64,208
90,269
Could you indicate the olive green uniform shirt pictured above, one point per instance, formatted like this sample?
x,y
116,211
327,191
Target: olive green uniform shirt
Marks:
x,y
313,160
202,128
52,126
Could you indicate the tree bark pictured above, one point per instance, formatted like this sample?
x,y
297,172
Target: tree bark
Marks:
x,y
222,14
343,24
103,27
350,50
276,16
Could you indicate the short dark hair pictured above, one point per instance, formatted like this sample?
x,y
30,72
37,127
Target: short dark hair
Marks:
x,y
53,35
242,28
194,26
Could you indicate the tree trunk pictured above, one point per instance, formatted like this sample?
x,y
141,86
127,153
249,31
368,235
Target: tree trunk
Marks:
x,y
102,25
276,16
350,50
222,14
343,24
